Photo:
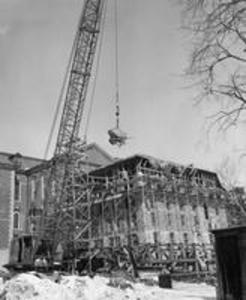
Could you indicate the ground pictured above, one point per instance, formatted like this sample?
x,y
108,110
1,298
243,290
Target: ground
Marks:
x,y
39,287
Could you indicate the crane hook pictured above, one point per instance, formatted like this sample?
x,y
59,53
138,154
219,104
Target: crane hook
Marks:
x,y
116,135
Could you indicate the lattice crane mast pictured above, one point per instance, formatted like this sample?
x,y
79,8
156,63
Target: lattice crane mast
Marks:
x,y
62,222
84,53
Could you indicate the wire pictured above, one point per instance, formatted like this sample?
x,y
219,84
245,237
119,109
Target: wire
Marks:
x,y
96,71
117,80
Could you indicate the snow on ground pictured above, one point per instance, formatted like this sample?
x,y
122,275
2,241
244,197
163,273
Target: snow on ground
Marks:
x,y
28,286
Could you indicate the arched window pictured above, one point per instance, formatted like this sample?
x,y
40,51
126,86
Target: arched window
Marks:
x,y
16,220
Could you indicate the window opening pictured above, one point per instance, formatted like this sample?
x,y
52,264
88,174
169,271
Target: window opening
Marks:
x,y
172,237
17,189
186,238
153,219
16,220
206,211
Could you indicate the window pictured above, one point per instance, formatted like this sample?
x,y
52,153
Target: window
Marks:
x,y
155,235
153,219
196,220
134,239
217,210
169,218
42,187
206,211
17,189
32,190
186,240
16,220
53,188
111,242
183,220
171,237
211,238
33,227
118,241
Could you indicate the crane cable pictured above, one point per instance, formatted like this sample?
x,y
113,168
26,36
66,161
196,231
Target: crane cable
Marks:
x,y
61,95
96,71
117,76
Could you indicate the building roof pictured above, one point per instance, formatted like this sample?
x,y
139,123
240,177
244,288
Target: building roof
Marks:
x,y
151,162
92,150
105,165
96,156
27,161
234,230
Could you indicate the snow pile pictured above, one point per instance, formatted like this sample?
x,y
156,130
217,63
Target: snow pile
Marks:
x,y
86,288
30,287
1,285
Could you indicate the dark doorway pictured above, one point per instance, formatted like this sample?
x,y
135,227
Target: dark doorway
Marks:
x,y
228,257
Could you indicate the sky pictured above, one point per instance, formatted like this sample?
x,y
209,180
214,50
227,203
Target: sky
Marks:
x,y
157,108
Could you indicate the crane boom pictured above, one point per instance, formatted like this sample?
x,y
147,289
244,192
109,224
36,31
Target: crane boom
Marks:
x,y
84,52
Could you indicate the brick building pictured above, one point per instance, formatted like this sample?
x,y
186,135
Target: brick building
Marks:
x,y
22,183
13,198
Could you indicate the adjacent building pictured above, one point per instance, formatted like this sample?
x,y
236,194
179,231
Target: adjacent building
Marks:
x,y
22,189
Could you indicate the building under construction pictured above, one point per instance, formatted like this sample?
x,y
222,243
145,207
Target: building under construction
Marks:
x,y
161,210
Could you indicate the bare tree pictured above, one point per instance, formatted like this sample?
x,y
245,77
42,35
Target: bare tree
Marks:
x,y
218,58
228,173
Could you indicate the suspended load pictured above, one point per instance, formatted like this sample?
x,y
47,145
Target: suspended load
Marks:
x,y
117,136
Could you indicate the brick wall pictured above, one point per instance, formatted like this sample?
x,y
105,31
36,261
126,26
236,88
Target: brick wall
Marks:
x,y
6,213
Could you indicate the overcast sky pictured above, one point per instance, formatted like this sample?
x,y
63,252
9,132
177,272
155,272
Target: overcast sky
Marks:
x,y
156,109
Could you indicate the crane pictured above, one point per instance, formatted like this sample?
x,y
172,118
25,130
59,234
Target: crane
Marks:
x,y
64,219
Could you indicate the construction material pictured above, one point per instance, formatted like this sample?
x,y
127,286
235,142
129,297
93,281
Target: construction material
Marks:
x,y
117,136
